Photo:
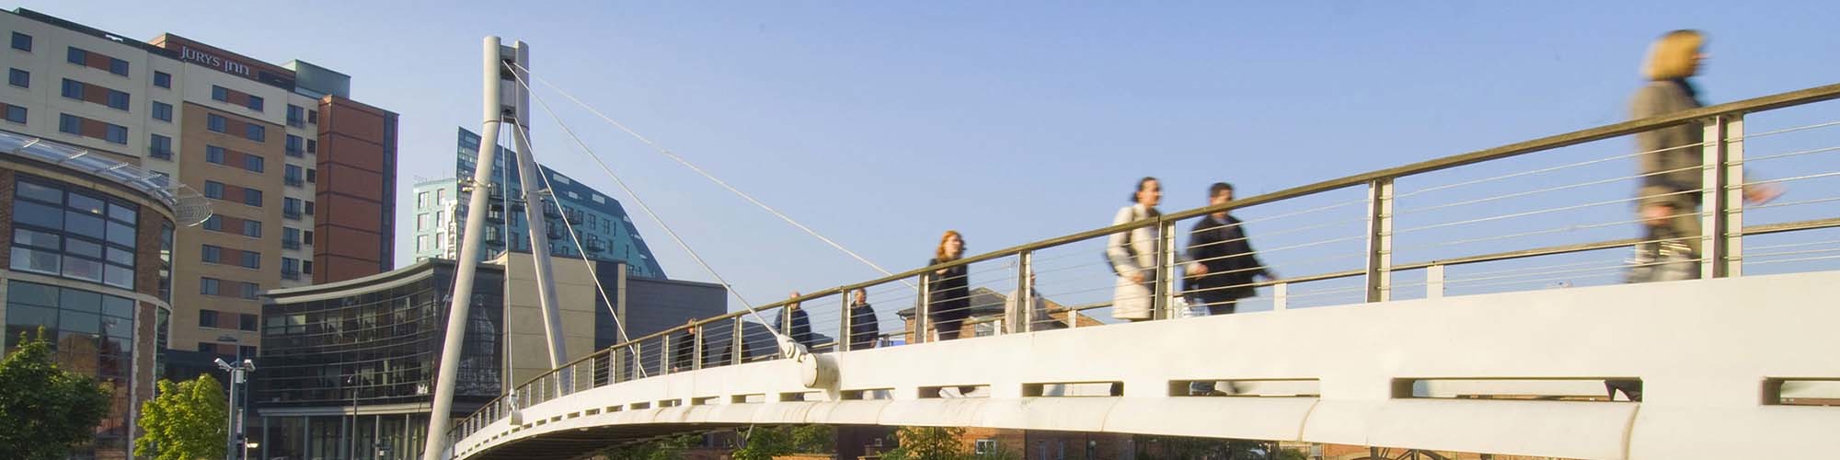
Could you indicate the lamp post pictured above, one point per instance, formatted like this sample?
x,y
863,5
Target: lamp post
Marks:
x,y
237,374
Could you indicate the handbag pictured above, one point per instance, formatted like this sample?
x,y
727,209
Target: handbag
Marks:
x,y
1662,261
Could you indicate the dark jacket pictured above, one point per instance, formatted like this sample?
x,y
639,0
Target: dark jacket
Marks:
x,y
863,327
1226,252
1678,169
801,328
683,347
949,294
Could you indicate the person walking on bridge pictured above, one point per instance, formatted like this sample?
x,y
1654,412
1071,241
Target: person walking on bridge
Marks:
x,y
949,290
1224,262
1671,161
863,326
1132,253
795,323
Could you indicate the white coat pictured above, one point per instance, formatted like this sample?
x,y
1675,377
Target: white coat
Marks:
x,y
1132,301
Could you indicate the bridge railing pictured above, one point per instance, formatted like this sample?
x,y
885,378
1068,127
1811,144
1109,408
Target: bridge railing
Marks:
x,y
1551,212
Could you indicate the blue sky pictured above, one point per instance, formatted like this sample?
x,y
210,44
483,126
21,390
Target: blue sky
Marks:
x,y
883,124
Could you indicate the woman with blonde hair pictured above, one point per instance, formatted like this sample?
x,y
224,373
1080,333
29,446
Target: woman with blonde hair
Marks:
x,y
1671,160
949,291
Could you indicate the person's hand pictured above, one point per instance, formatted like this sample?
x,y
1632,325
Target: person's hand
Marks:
x,y
1136,277
1197,269
1270,274
1762,193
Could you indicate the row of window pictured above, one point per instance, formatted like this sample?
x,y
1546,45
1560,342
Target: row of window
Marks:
x,y
79,91
252,131
229,288
75,125
249,228
252,163
81,57
216,190
297,145
78,56
92,332
222,94
246,259
298,116
292,268
245,321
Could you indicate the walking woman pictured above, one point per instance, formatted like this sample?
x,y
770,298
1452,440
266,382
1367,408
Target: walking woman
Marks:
x,y
1671,160
1133,253
949,292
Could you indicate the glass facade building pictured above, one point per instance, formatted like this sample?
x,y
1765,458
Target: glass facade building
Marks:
x,y
88,263
605,231
348,369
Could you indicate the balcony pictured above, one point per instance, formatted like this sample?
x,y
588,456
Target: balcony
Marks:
x,y
296,152
294,181
296,122
291,275
290,244
160,154
291,214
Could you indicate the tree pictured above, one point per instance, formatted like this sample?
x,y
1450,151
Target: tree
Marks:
x,y
669,448
763,442
928,443
185,422
44,408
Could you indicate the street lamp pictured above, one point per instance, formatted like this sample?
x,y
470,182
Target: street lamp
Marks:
x,y
237,375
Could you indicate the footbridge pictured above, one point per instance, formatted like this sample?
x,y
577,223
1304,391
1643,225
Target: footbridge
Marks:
x,y
1472,303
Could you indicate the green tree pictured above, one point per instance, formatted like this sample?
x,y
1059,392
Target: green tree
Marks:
x,y
764,442
814,439
669,448
43,408
928,443
185,422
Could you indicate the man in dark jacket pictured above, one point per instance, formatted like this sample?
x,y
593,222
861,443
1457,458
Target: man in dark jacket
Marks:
x,y
1224,262
800,330
863,326
683,348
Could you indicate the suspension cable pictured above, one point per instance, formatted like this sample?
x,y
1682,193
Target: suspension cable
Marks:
x,y
619,328
752,311
712,178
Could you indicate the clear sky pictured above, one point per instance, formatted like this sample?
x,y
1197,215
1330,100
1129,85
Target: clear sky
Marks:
x,y
883,124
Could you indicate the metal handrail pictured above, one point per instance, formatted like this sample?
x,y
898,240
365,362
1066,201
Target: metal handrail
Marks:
x,y
1788,99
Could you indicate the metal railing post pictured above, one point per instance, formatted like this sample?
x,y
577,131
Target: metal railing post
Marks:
x,y
638,361
664,355
920,312
1722,197
1380,240
1280,296
1025,294
736,342
1434,282
1164,291
696,350
844,343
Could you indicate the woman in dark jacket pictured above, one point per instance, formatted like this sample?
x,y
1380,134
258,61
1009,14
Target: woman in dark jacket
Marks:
x,y
948,292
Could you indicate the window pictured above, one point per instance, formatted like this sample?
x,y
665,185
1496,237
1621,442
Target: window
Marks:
x,y
440,196
312,116
19,78
255,103
73,89
254,163
212,254
71,233
252,197
252,290
306,266
293,175
290,238
984,447
70,124
290,207
251,259
118,67
308,208
209,286
162,79
76,56
216,123
296,115
312,146
214,223
207,318
290,268
312,175
214,154
115,134
294,145
213,189
220,94
421,200
159,146
423,243
252,228
162,111
247,322
16,114
255,132
22,42
421,222
118,100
